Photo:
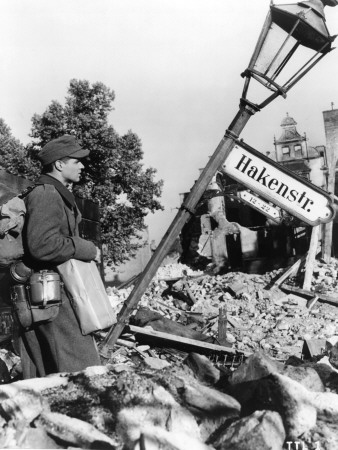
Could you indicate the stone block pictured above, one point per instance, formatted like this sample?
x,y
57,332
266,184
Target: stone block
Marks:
x,y
35,438
74,431
132,421
306,376
257,365
294,402
210,401
118,368
313,347
261,430
326,404
41,384
154,438
7,437
164,397
156,363
294,299
23,405
281,394
96,370
237,287
203,368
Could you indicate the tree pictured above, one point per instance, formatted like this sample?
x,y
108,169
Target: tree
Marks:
x,y
115,176
13,155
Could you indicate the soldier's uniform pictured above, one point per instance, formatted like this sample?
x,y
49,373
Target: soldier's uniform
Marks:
x,y
51,237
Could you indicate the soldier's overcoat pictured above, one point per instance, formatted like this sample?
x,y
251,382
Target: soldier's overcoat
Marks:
x,y
51,237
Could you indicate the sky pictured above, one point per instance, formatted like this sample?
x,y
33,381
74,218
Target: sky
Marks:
x,y
175,68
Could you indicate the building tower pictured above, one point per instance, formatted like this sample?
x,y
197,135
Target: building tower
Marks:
x,y
293,152
291,148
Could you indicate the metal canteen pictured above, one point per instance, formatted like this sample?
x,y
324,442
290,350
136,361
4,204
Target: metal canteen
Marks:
x,y
45,287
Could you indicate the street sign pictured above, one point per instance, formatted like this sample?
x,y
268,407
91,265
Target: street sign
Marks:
x,y
279,185
260,205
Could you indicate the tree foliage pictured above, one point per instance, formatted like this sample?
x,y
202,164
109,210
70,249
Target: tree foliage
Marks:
x,y
13,155
114,175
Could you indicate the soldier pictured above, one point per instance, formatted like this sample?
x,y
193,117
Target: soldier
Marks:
x,y
51,237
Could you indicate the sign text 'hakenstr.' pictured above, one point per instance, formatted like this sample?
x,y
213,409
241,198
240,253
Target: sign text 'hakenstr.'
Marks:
x,y
279,185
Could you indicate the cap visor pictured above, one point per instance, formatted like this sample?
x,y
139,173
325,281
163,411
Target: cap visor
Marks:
x,y
79,154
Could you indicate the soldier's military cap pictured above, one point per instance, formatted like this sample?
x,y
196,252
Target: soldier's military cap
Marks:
x,y
61,147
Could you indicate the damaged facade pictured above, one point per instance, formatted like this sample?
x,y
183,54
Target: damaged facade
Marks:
x,y
240,236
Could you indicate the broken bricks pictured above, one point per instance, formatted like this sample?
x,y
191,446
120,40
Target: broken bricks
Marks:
x,y
128,407
258,317
255,321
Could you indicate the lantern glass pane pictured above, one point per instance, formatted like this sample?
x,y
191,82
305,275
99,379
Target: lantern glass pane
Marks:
x,y
280,57
275,49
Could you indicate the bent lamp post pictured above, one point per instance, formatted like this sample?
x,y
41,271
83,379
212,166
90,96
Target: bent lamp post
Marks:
x,y
275,67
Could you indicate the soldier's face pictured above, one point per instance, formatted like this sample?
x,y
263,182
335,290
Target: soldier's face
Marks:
x,y
71,170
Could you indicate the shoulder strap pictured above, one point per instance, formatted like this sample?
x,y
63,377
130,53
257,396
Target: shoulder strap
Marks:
x,y
28,189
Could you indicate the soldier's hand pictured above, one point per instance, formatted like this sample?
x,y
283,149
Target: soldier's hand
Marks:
x,y
98,255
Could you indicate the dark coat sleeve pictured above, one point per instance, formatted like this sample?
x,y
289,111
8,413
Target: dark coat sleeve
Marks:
x,y
47,232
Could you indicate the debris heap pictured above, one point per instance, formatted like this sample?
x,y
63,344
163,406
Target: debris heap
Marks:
x,y
259,316
267,378
263,404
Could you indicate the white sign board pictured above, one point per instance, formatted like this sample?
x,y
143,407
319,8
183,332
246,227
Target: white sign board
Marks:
x,y
279,185
260,205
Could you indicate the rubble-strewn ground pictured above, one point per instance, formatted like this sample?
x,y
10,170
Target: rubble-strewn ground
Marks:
x,y
149,396
259,315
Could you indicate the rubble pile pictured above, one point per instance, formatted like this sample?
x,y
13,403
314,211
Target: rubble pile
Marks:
x,y
263,404
324,279
176,270
258,390
259,315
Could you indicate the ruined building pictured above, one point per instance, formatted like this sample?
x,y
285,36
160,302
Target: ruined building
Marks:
x,y
233,235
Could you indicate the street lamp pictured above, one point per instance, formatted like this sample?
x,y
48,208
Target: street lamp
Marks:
x,y
294,38
286,30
